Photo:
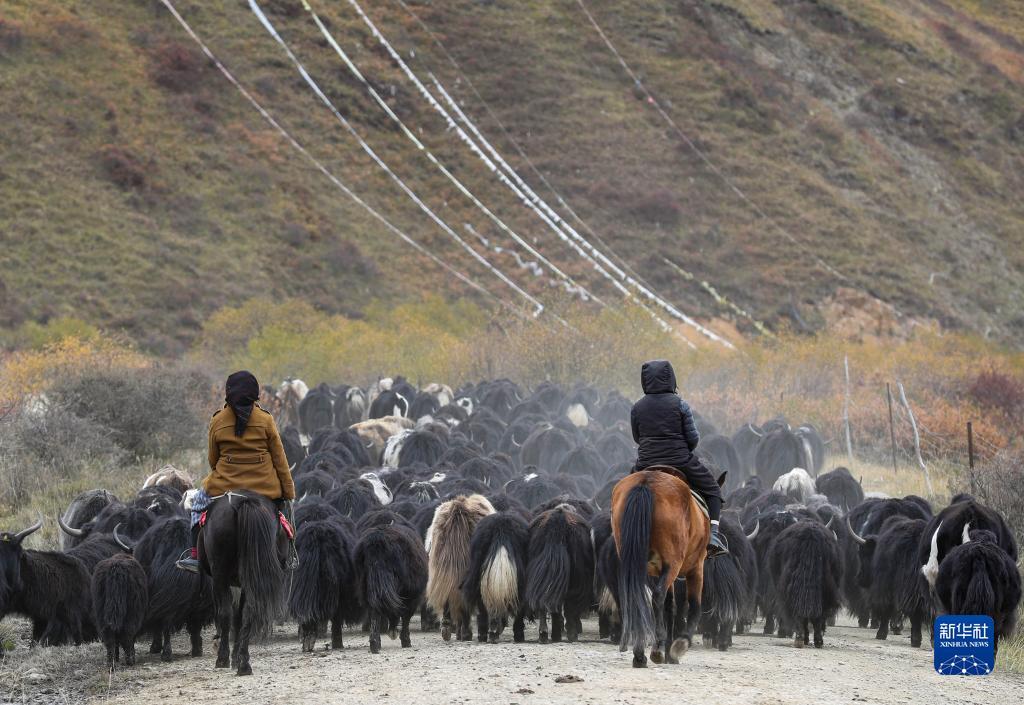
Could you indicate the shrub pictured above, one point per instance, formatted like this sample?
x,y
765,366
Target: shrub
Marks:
x,y
36,336
149,413
660,207
992,389
41,443
177,67
125,169
999,483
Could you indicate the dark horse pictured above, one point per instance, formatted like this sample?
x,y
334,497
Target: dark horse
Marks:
x,y
659,531
240,546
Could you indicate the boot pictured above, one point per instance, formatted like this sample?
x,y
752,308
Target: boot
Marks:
x,y
190,558
285,509
716,544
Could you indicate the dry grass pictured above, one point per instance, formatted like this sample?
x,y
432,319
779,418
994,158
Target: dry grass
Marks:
x,y
65,675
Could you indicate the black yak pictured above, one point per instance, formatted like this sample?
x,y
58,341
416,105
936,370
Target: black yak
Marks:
x,y
83,509
841,488
891,577
495,583
979,577
806,571
119,601
50,588
945,531
177,598
324,585
391,570
560,571
726,598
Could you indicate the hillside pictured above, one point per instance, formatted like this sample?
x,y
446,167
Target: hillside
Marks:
x,y
879,145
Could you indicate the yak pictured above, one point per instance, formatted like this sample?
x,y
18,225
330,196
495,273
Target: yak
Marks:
x,y
495,583
979,577
560,571
119,601
806,570
391,576
50,588
448,548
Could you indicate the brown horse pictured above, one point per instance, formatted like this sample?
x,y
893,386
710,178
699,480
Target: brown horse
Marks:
x,y
661,532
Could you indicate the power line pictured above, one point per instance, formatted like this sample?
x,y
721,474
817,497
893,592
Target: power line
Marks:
x,y
700,153
538,306
320,167
559,226
354,70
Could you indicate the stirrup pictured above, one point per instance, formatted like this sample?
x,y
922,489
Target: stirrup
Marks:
x,y
186,562
717,548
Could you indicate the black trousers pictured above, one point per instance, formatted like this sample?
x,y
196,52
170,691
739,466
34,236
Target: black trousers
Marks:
x,y
702,482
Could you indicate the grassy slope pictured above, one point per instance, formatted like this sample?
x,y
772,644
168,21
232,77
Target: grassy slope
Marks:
x,y
888,137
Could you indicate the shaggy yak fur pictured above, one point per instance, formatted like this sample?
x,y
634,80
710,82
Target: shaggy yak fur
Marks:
x,y
119,602
447,542
391,570
495,583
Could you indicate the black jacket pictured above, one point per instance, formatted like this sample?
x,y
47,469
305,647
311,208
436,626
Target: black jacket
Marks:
x,y
662,422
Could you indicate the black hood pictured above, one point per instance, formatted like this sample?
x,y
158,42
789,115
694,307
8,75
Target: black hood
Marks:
x,y
658,377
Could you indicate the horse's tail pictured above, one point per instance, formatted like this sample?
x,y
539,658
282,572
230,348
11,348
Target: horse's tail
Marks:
x,y
634,547
260,573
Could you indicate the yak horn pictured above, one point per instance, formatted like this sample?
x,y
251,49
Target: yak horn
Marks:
x,y
854,534
757,527
967,532
67,529
121,542
18,537
828,524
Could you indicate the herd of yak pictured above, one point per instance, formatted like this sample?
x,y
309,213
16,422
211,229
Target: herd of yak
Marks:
x,y
491,504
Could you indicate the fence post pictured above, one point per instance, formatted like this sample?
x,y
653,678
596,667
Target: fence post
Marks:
x,y
970,454
892,427
846,410
917,437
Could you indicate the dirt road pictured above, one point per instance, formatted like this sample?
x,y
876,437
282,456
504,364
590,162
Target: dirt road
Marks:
x,y
852,667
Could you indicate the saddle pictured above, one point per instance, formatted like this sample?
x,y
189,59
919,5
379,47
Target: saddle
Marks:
x,y
675,472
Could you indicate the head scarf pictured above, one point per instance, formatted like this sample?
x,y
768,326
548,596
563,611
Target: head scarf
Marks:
x,y
241,392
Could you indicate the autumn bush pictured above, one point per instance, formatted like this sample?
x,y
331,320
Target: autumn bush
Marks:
x,y
799,377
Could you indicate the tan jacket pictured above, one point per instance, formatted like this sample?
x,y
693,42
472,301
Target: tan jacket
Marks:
x,y
255,461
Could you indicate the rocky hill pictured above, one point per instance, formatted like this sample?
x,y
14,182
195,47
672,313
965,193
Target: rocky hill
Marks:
x,y
789,159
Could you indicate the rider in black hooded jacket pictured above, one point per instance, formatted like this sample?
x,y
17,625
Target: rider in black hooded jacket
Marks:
x,y
666,434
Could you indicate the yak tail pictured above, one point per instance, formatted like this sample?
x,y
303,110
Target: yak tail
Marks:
x,y
547,581
382,592
725,593
260,574
634,591
317,585
979,597
499,582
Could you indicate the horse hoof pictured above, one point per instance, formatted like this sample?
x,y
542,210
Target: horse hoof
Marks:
x,y
446,633
798,643
656,657
223,663
678,648
639,662
543,639
244,670
165,656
